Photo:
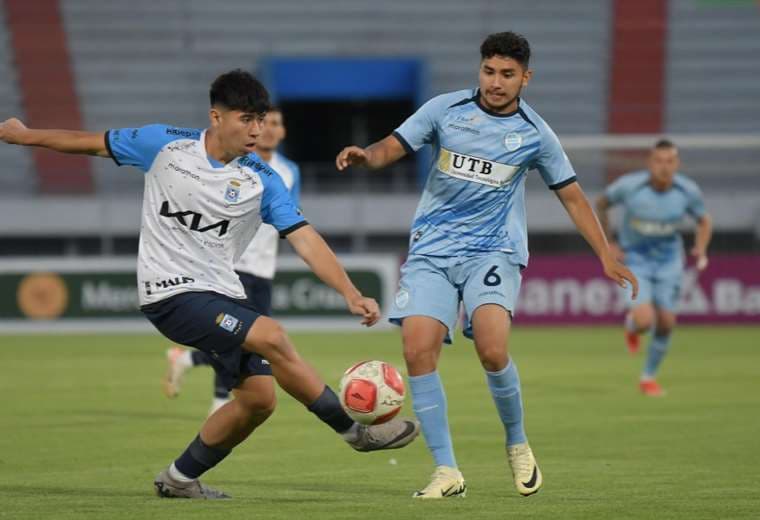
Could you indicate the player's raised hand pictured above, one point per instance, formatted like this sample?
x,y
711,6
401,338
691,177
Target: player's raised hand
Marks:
x,y
621,275
700,259
11,131
365,307
350,156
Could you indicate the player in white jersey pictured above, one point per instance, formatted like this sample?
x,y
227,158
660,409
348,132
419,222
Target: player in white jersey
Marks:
x,y
206,194
654,203
256,266
469,243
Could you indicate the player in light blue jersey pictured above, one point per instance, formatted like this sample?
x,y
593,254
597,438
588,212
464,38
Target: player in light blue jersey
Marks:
x,y
206,194
469,242
654,203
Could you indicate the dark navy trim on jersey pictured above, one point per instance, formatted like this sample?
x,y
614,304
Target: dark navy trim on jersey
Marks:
x,y
491,112
525,116
472,99
564,183
108,147
403,142
287,231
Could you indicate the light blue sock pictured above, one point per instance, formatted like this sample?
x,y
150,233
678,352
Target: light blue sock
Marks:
x,y
505,389
430,408
658,347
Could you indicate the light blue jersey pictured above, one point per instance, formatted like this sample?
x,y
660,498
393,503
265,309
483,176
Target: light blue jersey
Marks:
x,y
651,217
649,233
473,201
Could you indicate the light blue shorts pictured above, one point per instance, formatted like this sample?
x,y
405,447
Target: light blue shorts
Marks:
x,y
659,280
434,286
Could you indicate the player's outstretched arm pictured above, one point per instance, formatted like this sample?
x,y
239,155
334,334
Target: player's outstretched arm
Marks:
x,y
375,156
13,131
585,220
602,211
702,241
317,254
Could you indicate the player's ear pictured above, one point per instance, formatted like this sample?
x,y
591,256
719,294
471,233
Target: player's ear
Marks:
x,y
214,116
526,77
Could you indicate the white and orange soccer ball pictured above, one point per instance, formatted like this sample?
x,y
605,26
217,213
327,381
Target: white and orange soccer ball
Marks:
x,y
372,392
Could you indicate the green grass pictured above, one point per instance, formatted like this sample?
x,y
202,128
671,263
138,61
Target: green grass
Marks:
x,y
84,428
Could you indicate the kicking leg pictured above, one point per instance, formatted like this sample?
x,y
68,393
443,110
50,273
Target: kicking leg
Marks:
x,y
268,339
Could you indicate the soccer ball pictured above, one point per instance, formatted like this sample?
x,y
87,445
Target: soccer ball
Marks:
x,y
372,392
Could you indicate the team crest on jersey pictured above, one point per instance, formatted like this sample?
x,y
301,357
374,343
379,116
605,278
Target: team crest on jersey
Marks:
x,y
232,193
513,141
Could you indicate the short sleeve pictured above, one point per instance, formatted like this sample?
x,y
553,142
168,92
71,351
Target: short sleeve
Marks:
x,y
552,162
277,206
139,146
420,128
616,191
696,204
295,190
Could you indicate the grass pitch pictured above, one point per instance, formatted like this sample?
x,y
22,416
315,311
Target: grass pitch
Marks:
x,y
84,428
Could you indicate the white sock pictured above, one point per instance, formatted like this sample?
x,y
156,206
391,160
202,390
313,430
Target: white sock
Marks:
x,y
351,434
178,475
185,359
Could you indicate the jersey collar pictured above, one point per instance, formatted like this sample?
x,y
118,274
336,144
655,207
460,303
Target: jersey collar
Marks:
x,y
491,112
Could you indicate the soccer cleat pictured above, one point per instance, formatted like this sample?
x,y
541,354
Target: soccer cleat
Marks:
x,y
527,476
175,370
167,487
393,434
649,387
445,482
633,341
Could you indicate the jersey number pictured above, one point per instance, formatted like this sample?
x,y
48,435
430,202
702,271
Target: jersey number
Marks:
x,y
491,279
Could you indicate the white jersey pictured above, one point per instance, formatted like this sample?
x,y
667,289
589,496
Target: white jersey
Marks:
x,y
260,258
198,214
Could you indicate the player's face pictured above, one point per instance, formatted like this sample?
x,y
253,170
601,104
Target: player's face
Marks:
x,y
238,131
501,79
663,164
272,131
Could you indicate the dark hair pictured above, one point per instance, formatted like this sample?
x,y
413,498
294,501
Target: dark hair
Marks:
x,y
508,44
664,143
239,90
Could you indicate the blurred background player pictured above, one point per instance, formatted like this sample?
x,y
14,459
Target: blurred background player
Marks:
x,y
654,203
469,242
256,267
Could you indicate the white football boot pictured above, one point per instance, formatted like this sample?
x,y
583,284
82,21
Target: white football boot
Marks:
x,y
527,476
445,482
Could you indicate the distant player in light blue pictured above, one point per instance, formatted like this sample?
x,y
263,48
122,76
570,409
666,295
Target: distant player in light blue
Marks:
x,y
469,242
654,204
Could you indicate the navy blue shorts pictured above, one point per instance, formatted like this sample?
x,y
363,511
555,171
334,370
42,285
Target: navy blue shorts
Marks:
x,y
214,324
259,292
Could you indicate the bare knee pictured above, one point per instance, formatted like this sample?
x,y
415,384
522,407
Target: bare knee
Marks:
x,y
421,356
665,323
492,356
643,317
270,340
259,405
